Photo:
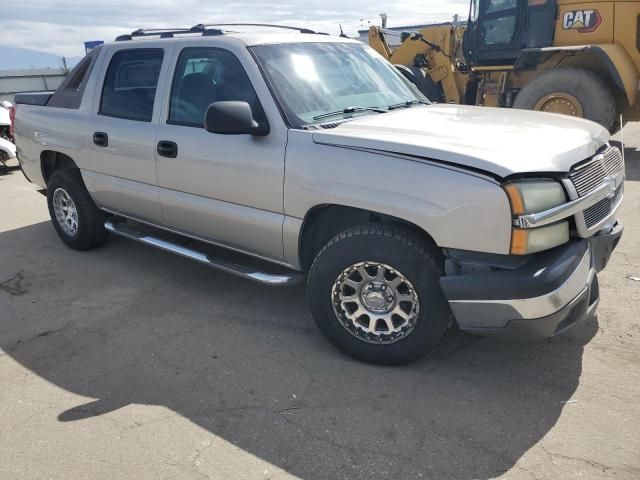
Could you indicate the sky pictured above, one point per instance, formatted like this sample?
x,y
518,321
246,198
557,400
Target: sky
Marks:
x,y
62,26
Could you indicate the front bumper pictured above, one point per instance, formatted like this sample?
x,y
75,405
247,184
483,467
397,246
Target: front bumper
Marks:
x,y
547,295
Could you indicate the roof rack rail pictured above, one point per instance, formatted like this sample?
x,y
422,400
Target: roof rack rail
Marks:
x,y
202,28
286,27
168,32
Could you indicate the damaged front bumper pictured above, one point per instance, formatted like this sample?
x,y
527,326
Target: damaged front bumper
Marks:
x,y
547,295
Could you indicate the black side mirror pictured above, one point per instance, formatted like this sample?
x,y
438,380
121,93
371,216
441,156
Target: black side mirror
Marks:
x,y
233,118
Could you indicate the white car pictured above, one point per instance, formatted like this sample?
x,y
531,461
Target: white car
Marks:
x,y
7,148
5,118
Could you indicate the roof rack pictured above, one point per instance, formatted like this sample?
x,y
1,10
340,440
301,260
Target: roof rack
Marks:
x,y
286,27
169,32
202,29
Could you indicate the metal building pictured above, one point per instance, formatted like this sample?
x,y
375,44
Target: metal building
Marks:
x,y
32,80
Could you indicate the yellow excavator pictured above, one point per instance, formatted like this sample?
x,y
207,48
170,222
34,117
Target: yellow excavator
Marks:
x,y
561,56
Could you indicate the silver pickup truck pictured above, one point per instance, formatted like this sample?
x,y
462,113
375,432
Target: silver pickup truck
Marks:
x,y
313,160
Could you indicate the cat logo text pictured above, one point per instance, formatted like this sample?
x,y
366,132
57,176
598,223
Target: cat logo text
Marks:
x,y
584,21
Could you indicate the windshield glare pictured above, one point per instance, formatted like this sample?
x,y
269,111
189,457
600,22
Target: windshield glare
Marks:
x,y
312,79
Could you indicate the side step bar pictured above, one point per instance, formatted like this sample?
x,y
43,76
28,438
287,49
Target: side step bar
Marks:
x,y
121,228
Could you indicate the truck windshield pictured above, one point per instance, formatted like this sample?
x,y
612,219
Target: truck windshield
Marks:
x,y
314,81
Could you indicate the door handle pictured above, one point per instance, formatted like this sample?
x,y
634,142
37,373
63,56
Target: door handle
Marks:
x,y
100,139
167,149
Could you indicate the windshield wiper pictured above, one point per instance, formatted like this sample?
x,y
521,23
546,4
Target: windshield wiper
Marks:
x,y
350,110
407,104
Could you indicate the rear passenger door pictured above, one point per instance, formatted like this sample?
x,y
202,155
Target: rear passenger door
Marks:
x,y
122,174
225,188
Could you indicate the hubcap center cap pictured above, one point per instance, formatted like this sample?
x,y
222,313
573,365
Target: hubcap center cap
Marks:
x,y
377,297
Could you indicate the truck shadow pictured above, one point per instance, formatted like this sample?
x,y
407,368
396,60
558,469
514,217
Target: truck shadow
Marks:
x,y
130,325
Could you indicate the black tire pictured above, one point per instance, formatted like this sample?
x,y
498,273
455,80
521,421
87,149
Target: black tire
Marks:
x,y
90,232
595,97
403,251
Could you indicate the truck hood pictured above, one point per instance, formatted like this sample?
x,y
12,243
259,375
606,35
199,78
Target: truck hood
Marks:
x,y
496,140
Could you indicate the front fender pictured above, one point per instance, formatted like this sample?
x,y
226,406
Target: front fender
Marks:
x,y
612,57
457,208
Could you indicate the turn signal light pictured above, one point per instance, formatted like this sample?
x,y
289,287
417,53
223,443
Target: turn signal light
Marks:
x,y
515,198
532,240
519,241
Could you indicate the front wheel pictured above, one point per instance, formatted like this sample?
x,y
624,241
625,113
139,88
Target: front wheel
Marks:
x,y
374,293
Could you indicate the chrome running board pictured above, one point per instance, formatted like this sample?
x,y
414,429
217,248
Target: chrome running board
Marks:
x,y
121,227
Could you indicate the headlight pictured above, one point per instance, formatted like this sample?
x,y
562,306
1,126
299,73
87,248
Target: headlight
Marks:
x,y
533,196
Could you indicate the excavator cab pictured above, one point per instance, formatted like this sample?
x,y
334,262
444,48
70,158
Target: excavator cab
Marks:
x,y
498,30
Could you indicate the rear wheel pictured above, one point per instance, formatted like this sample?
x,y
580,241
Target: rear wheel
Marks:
x,y
76,219
570,91
374,293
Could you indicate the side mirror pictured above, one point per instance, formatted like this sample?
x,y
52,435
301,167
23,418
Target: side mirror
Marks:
x,y
233,118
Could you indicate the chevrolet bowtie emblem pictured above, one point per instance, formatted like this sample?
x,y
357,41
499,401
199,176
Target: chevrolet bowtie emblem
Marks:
x,y
613,182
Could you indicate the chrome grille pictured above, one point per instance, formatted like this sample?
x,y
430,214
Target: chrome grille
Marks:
x,y
589,176
602,209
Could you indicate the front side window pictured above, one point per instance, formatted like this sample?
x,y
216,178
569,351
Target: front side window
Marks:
x,y
204,76
313,80
130,84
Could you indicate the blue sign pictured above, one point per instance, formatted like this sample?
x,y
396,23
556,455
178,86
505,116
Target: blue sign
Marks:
x,y
88,46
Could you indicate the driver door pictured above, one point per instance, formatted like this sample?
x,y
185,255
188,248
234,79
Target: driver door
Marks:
x,y
227,189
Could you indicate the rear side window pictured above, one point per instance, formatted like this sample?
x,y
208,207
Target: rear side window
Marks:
x,y
130,84
70,92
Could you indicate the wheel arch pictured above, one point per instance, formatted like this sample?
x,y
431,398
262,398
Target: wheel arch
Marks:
x,y
323,222
52,161
611,62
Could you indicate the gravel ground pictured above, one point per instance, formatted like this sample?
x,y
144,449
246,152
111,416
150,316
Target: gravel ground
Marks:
x,y
127,362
